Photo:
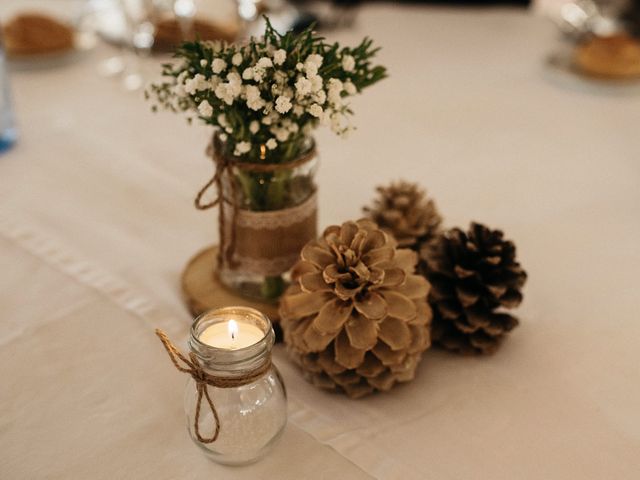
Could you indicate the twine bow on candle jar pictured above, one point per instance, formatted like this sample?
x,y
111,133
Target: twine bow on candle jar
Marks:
x,y
203,379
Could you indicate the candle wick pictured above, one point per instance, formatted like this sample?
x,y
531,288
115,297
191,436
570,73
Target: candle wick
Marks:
x,y
233,335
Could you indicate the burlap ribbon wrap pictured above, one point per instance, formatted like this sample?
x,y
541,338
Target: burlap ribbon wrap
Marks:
x,y
261,242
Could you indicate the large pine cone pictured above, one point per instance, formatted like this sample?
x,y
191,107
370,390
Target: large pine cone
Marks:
x,y
474,276
403,210
356,318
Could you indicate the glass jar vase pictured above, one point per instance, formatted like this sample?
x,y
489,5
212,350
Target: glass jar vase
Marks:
x,y
268,213
251,415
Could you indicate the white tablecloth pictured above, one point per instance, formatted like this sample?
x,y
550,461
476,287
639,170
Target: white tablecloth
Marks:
x,y
96,224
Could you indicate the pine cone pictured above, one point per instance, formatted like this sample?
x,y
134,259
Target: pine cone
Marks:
x,y
474,276
356,318
403,210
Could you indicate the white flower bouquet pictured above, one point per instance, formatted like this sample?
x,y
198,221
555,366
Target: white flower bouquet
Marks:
x,y
267,95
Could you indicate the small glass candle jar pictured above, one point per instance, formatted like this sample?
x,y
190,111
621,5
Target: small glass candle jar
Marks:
x,y
233,346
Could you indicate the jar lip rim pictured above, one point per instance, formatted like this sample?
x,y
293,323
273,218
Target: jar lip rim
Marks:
x,y
259,345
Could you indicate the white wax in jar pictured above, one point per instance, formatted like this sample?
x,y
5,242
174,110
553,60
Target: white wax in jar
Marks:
x,y
231,335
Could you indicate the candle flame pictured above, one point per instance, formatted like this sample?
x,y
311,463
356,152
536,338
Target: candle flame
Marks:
x,y
232,326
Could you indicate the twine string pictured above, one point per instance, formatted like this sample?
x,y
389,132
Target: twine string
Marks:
x,y
193,367
223,165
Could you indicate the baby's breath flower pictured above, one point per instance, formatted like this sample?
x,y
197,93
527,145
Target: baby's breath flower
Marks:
x,y
196,84
281,134
264,62
312,64
182,76
254,100
310,69
299,66
241,148
320,97
283,104
335,84
254,126
225,93
203,62
314,59
303,87
315,110
218,65
228,91
205,109
247,74
234,79
179,90
279,56
214,81
335,90
272,143
316,83
236,59
258,73
350,88
348,63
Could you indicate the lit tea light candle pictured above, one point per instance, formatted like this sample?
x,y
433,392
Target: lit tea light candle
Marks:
x,y
231,335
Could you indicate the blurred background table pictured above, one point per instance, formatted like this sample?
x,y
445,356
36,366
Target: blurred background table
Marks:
x,y
96,224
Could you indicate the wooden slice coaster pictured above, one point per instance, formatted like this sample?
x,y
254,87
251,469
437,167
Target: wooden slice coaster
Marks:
x,y
203,291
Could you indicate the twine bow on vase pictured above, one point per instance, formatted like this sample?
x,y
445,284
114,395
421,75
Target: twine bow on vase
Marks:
x,y
222,165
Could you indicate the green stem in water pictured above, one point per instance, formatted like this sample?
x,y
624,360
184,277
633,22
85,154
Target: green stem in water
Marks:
x,y
272,287
267,192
